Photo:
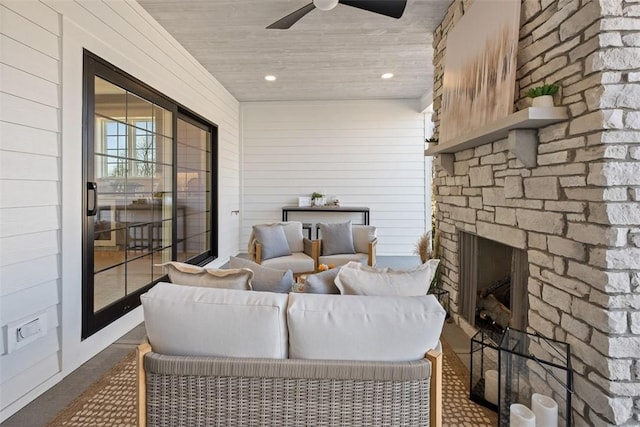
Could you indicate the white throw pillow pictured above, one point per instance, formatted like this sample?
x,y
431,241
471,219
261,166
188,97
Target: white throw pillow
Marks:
x,y
192,275
194,321
335,327
356,279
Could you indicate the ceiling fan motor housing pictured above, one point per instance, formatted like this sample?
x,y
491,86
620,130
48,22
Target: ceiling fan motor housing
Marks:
x,y
392,8
325,4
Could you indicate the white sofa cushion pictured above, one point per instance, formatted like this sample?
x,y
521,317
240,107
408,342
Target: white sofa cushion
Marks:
x,y
356,279
298,262
194,321
362,236
337,327
343,259
293,232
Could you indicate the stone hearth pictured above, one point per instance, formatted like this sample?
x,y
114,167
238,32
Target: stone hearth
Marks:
x,y
577,213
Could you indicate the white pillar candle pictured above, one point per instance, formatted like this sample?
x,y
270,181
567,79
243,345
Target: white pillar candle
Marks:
x,y
521,416
491,386
546,410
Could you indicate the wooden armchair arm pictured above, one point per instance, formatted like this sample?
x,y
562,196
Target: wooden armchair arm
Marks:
x,y
312,248
435,399
372,252
258,253
142,349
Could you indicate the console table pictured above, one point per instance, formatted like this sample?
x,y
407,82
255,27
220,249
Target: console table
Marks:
x,y
325,209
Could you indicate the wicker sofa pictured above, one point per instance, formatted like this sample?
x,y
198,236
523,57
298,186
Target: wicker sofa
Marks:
x,y
332,365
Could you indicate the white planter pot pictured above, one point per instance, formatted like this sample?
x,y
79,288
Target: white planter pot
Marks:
x,y
319,202
542,101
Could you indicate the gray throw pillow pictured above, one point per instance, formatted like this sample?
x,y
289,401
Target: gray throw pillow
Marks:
x,y
265,278
322,283
273,241
337,238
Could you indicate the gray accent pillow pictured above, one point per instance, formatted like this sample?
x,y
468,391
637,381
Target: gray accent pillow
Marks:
x,y
265,278
322,283
337,238
273,240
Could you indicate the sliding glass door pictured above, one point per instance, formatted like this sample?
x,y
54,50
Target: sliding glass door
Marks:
x,y
149,177
193,187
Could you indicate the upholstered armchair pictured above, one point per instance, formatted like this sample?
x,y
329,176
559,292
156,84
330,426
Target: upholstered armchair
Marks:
x,y
282,246
341,243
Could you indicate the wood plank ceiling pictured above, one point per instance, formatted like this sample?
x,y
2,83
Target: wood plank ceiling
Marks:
x,y
334,55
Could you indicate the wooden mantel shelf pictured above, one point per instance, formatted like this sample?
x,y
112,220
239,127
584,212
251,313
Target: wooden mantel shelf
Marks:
x,y
520,127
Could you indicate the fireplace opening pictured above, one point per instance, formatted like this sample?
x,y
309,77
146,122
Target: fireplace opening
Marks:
x,y
493,284
493,287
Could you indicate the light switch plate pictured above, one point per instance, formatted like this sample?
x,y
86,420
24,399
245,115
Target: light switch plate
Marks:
x,y
26,331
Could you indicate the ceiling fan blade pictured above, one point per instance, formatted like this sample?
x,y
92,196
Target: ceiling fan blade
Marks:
x,y
392,8
291,18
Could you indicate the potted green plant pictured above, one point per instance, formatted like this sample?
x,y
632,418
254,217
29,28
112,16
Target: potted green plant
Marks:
x,y
317,199
542,96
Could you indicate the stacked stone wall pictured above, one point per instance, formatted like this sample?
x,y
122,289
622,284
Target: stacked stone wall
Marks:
x,y
578,212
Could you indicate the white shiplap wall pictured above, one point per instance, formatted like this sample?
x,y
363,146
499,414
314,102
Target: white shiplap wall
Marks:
x,y
41,46
368,153
29,196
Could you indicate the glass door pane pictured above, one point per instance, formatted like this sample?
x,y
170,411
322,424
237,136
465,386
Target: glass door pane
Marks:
x,y
194,189
132,169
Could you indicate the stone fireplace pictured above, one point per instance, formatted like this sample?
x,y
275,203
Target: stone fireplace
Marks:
x,y
572,208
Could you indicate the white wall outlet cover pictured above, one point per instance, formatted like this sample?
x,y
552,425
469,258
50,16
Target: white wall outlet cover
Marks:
x,y
25,331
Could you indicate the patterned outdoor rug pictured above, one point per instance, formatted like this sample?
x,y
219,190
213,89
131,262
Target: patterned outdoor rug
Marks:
x,y
111,401
457,409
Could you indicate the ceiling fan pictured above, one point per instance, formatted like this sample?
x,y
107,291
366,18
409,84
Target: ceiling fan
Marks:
x,y
392,8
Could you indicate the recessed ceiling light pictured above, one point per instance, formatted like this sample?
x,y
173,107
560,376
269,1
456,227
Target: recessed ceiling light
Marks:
x,y
387,75
270,78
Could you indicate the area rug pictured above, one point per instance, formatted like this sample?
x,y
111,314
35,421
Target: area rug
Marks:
x,y
457,409
111,401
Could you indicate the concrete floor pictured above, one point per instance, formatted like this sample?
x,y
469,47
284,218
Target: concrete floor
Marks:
x,y
46,407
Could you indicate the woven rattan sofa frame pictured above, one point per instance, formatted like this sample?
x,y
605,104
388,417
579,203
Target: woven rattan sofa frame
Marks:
x,y
431,410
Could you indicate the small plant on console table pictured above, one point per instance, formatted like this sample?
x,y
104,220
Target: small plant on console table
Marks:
x,y
317,199
542,96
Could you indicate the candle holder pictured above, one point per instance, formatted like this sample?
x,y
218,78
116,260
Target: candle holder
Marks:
x,y
535,372
483,372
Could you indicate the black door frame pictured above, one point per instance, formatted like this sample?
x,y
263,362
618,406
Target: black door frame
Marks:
x,y
93,66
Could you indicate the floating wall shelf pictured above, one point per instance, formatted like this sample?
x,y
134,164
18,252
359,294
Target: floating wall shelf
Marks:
x,y
521,128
